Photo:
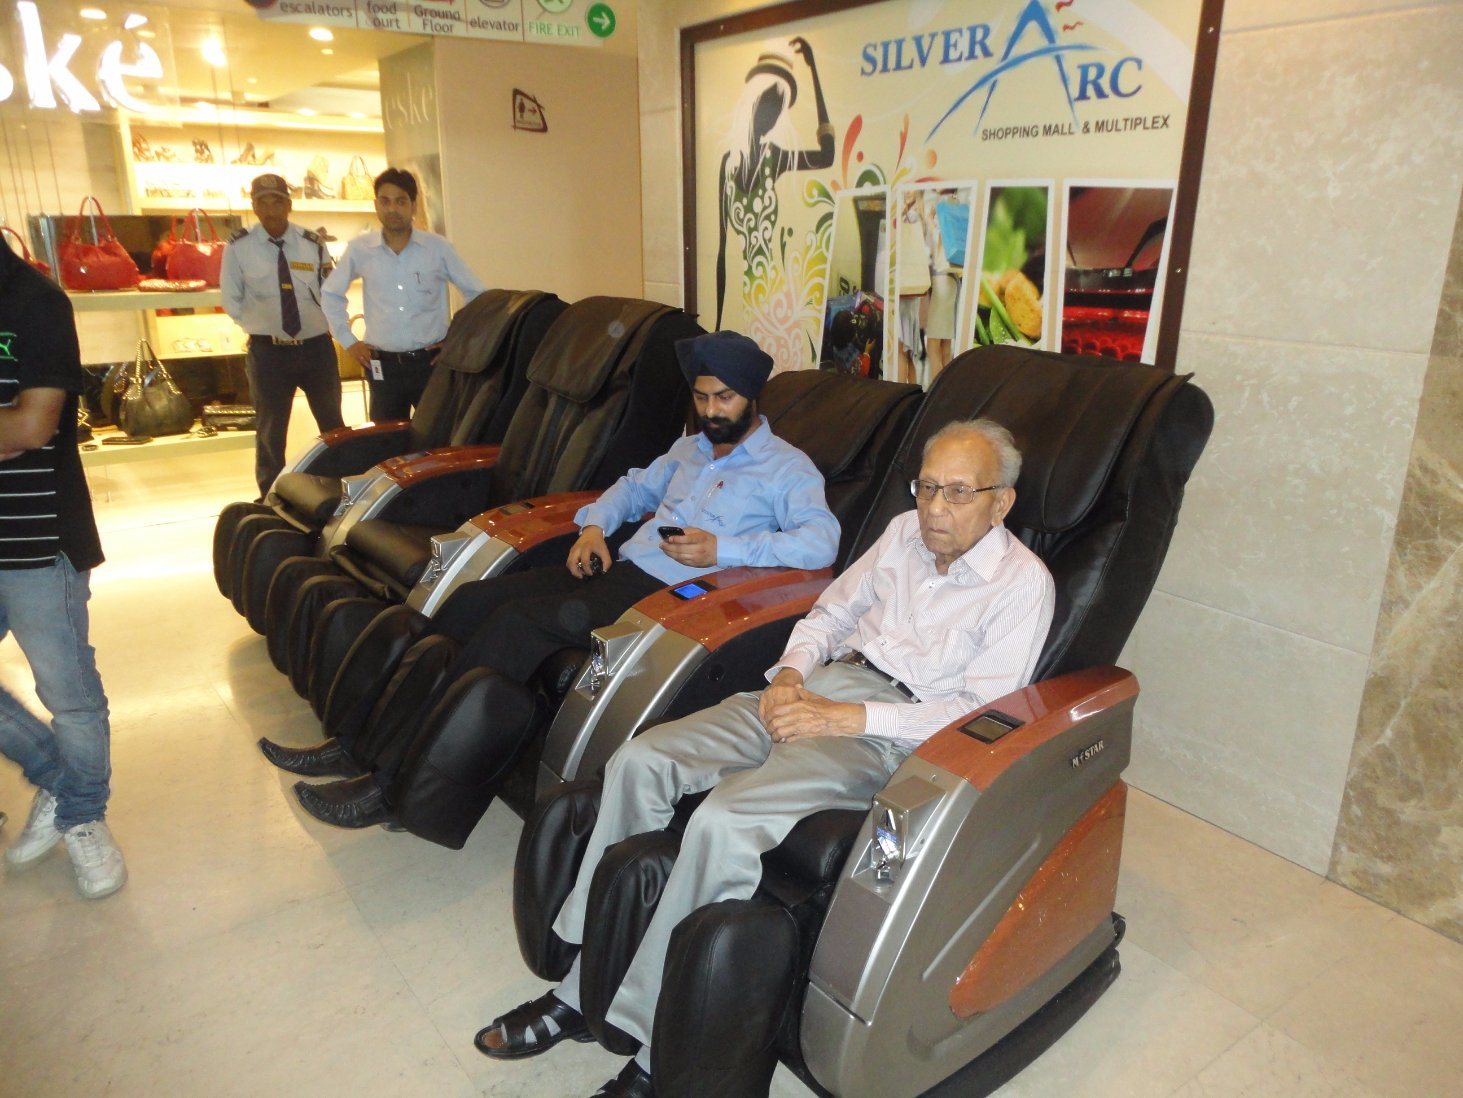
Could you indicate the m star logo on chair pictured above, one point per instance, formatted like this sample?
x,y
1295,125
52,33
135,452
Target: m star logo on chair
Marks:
x,y
7,340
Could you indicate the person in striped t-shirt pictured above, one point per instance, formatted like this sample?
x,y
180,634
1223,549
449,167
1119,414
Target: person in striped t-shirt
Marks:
x,y
48,546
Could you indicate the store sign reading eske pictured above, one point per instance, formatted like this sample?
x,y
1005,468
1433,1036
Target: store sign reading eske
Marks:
x,y
48,67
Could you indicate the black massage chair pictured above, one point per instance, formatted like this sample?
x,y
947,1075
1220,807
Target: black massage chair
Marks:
x,y
479,741
605,394
941,941
479,377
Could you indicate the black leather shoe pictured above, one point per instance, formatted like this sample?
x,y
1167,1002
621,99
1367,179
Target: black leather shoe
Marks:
x,y
350,802
526,1029
324,760
633,1082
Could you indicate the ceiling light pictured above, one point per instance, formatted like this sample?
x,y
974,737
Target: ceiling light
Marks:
x,y
322,34
146,34
213,53
307,111
133,21
92,13
328,52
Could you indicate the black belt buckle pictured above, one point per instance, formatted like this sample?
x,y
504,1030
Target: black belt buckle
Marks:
x,y
855,658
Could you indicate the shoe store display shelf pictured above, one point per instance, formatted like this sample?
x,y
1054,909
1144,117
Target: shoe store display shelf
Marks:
x,y
176,164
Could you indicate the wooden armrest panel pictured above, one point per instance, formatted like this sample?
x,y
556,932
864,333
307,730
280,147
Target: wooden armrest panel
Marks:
x,y
530,522
446,461
740,599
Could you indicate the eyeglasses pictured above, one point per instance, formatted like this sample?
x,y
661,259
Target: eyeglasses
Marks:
x,y
954,493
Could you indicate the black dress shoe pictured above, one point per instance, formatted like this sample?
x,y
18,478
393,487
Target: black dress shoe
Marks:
x,y
324,760
633,1082
350,802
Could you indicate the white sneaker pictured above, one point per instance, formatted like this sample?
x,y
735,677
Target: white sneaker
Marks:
x,y
39,834
100,870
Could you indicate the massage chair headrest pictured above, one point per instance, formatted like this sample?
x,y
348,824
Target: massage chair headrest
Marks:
x,y
479,328
589,343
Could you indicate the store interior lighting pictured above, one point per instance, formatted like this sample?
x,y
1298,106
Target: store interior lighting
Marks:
x,y
95,14
133,21
213,53
322,34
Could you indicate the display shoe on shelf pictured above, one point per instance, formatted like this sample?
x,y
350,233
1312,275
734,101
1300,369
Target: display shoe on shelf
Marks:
x,y
100,870
141,148
247,156
202,153
267,157
39,834
314,188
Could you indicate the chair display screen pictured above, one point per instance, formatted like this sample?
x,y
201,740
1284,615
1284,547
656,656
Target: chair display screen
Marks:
x,y
689,590
989,727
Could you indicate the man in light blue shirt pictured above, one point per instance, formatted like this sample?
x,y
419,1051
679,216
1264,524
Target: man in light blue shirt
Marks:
x,y
271,283
404,274
732,494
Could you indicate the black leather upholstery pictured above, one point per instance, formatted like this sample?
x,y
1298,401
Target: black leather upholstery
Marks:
x,y
550,848
343,695
449,775
479,378
224,531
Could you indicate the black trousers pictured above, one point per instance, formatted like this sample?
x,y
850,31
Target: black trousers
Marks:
x,y
274,375
400,389
513,623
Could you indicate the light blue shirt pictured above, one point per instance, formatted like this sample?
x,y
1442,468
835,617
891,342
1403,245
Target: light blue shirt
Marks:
x,y
405,295
763,501
249,281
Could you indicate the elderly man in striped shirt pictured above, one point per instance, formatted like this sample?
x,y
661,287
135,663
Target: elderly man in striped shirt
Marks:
x,y
946,612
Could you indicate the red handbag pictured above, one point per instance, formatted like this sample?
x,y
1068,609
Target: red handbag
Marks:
x,y
39,264
164,249
197,257
100,265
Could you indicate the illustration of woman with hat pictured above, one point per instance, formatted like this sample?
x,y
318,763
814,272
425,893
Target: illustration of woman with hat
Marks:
x,y
749,173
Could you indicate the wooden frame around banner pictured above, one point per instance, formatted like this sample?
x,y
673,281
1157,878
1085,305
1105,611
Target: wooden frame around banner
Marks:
x,y
1191,160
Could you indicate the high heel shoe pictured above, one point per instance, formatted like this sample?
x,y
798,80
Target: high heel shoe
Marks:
x,y
316,189
141,148
247,156
202,153
267,158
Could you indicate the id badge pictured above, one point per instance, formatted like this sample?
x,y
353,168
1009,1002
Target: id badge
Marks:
x,y
377,374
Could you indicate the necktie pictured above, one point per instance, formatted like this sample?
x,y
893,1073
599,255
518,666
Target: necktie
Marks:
x,y
289,308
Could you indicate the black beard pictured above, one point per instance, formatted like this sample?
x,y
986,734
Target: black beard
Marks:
x,y
720,430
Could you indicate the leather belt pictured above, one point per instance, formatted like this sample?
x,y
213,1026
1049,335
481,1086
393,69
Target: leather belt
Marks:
x,y
397,358
285,341
856,658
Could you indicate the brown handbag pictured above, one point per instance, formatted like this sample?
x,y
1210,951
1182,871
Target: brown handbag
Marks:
x,y
39,264
99,264
152,404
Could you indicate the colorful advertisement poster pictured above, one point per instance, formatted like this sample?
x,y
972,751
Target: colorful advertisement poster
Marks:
x,y
881,188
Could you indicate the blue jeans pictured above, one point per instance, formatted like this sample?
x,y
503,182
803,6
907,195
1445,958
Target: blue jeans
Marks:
x,y
46,610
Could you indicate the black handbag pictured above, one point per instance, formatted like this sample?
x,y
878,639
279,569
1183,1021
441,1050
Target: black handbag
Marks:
x,y
230,417
152,405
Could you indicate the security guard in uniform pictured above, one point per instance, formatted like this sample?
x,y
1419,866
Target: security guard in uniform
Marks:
x,y
271,280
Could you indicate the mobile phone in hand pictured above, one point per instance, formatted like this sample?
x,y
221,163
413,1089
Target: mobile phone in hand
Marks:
x,y
670,532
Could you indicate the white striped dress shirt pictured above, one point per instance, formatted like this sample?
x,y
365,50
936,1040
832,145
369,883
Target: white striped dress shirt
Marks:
x,y
958,641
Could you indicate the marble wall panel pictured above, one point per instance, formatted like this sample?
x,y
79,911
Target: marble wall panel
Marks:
x,y
1331,173
1244,725
1400,836
1288,517
1255,14
660,194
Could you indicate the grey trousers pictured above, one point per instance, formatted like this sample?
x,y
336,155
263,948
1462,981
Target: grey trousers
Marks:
x,y
762,790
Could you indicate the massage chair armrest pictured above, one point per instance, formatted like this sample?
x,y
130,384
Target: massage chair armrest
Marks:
x,y
349,450
1036,716
736,601
445,461
528,523
550,847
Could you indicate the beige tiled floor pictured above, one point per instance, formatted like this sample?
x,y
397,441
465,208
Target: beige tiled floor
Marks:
x,y
255,952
